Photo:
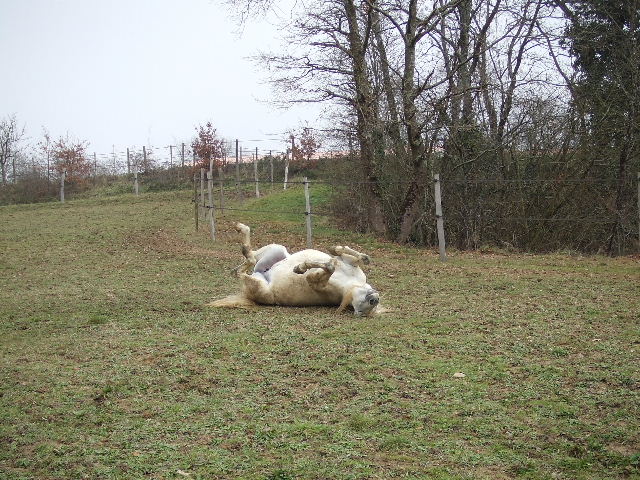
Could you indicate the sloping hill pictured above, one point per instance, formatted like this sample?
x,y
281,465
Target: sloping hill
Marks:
x,y
113,367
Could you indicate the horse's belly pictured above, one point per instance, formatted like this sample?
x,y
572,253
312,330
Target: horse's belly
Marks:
x,y
292,289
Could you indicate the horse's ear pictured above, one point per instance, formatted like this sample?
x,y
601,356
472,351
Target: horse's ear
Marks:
x,y
346,301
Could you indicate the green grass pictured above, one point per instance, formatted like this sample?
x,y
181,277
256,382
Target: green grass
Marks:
x,y
112,366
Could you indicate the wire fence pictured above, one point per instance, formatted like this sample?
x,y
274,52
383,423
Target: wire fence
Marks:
x,y
448,188
472,206
123,160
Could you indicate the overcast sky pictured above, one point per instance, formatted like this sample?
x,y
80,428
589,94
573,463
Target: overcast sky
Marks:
x,y
127,73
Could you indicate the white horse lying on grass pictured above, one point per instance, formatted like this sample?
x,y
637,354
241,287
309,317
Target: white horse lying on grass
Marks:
x,y
273,276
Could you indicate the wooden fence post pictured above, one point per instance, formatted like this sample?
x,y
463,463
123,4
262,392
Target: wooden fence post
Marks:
x,y
271,166
221,184
195,200
439,219
202,188
63,175
243,169
135,173
308,213
237,169
211,209
255,173
286,164
135,179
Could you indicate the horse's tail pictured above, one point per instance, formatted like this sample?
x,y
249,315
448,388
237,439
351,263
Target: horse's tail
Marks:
x,y
233,301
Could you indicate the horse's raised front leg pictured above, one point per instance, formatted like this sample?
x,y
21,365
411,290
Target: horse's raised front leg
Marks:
x,y
350,255
319,278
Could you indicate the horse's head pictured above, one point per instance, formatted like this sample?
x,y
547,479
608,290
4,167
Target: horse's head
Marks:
x,y
365,300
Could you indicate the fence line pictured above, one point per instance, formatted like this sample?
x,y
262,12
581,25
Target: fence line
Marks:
x,y
439,216
336,183
454,182
210,209
256,181
276,212
122,160
246,160
551,219
628,179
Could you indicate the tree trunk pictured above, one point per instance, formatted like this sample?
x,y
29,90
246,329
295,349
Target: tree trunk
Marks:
x,y
413,130
368,123
464,84
394,116
623,159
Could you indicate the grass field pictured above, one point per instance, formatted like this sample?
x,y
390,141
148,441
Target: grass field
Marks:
x,y
112,366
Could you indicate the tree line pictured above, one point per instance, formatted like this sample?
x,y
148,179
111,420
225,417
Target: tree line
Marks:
x,y
479,91
31,170
528,109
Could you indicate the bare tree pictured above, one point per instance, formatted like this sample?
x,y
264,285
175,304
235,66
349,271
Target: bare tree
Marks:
x,y
10,136
472,88
411,25
328,61
500,71
44,148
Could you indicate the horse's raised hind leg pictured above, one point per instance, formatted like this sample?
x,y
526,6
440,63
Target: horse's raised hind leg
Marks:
x,y
319,278
249,255
350,255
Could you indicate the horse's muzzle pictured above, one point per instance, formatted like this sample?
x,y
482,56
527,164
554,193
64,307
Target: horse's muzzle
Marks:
x,y
373,298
